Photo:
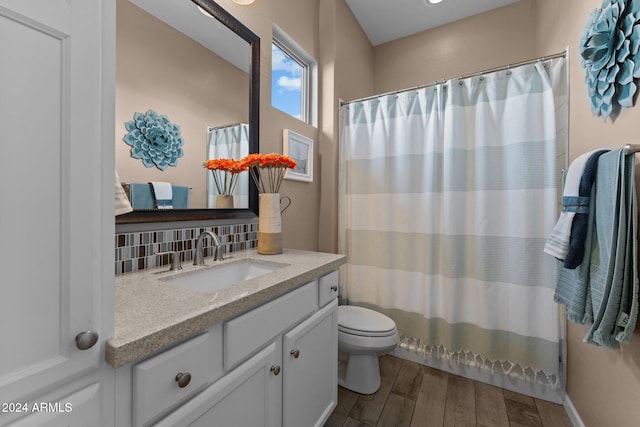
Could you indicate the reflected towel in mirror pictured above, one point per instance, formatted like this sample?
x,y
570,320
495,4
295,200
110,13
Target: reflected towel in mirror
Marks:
x,y
142,197
122,203
163,194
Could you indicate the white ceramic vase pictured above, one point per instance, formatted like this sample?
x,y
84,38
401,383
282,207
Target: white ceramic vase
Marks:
x,y
269,224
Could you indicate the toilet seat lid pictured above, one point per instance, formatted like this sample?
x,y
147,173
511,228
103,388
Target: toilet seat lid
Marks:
x,y
364,322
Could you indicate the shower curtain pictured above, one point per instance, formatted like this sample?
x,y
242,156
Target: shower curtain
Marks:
x,y
446,197
229,142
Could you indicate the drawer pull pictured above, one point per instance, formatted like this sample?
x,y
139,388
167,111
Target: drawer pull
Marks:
x,y
86,340
183,380
275,369
334,288
295,353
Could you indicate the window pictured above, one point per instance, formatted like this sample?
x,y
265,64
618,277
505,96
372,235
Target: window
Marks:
x,y
293,78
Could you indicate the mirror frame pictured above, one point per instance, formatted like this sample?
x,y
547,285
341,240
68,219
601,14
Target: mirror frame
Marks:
x,y
150,215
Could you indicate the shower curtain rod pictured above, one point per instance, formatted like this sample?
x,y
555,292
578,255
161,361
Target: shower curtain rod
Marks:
x,y
210,128
464,76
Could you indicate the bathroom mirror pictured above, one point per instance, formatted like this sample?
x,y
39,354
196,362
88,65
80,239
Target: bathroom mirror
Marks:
x,y
197,64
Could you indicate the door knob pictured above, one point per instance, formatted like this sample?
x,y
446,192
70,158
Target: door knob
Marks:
x,y
295,353
87,339
334,288
183,379
275,369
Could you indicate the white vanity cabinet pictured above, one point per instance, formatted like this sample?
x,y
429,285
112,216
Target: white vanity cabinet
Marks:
x,y
273,366
56,214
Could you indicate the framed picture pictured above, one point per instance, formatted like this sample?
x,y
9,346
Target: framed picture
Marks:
x,y
300,149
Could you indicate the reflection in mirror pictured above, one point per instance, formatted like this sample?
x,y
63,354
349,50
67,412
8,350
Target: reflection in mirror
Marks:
x,y
228,142
182,63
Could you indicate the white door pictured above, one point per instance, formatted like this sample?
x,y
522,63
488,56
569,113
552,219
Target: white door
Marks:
x,y
310,366
77,409
56,232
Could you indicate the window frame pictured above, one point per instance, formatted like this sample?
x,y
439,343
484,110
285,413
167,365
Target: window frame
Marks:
x,y
308,78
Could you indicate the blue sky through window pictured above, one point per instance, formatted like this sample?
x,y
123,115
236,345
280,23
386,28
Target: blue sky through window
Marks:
x,y
286,83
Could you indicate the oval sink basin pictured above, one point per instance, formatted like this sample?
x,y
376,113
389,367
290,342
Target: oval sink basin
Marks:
x,y
222,276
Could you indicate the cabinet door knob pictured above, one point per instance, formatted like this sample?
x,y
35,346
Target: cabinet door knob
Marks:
x,y
183,379
334,288
275,369
295,353
87,339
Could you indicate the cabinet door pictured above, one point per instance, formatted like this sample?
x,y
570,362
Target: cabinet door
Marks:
x,y
77,409
310,362
56,227
249,396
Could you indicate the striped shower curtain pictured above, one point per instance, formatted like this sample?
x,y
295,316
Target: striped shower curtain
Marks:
x,y
229,142
447,194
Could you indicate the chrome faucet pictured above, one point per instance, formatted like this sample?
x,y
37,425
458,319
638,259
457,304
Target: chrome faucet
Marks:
x,y
174,256
198,258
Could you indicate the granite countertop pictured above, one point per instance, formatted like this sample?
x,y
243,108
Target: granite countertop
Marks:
x,y
151,314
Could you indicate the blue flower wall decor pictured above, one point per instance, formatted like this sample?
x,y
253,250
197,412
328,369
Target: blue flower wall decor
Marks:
x,y
154,139
609,53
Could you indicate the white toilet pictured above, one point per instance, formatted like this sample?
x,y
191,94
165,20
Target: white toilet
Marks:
x,y
363,334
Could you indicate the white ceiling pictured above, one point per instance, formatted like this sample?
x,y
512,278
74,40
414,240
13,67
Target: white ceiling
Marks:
x,y
387,20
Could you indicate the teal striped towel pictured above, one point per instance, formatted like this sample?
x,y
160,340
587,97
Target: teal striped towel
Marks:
x,y
603,290
614,272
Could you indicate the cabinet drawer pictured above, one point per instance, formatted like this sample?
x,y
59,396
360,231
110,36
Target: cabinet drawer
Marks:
x,y
155,382
328,288
248,396
248,332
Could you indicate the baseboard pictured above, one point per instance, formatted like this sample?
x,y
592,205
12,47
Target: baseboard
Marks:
x,y
574,417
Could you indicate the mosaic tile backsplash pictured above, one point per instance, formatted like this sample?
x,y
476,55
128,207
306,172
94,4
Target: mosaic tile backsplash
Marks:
x,y
135,251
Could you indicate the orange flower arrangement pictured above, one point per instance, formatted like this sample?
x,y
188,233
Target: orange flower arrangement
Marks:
x,y
267,170
225,173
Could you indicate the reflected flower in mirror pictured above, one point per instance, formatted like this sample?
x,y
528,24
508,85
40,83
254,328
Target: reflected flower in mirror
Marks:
x,y
225,174
154,139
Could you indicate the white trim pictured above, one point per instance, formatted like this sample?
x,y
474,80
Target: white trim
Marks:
x,y
310,67
517,385
571,411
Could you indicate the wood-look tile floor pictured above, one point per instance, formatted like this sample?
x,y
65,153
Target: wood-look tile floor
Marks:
x,y
413,395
